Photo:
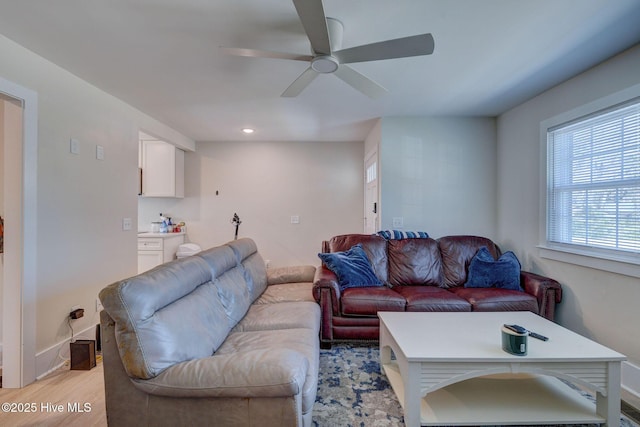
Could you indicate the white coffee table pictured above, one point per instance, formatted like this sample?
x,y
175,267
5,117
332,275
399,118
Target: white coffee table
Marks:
x,y
450,369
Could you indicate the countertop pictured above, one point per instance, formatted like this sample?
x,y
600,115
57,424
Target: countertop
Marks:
x,y
162,235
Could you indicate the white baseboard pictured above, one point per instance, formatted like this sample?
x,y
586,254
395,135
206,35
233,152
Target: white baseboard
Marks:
x,y
57,355
631,378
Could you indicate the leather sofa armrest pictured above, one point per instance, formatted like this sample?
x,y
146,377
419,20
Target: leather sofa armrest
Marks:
x,y
547,291
294,274
326,279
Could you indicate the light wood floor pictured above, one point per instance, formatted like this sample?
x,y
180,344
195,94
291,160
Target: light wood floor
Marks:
x,y
71,389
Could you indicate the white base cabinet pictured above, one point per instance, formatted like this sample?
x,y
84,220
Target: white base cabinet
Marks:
x,y
157,248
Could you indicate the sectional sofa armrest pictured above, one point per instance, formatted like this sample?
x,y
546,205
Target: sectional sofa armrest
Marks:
x,y
326,282
294,274
547,291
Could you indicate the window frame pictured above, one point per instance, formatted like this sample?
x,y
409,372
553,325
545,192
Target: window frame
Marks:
x,y
612,260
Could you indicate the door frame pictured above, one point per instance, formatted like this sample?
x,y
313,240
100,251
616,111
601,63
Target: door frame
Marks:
x,y
19,306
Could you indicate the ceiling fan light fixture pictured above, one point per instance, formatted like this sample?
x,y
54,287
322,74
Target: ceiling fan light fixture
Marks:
x,y
324,64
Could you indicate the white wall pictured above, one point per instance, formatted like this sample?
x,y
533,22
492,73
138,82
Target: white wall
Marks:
x,y
600,305
2,182
266,183
81,200
438,174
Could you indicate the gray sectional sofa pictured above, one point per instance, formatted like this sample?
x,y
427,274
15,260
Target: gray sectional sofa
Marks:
x,y
213,339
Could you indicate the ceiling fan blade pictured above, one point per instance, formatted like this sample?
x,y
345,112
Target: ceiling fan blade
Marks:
x,y
254,53
360,82
397,48
300,83
314,21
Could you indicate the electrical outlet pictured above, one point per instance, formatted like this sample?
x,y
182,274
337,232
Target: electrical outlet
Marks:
x,y
398,222
99,306
77,313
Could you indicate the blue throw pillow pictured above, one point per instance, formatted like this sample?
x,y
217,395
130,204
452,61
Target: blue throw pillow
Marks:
x,y
485,272
351,267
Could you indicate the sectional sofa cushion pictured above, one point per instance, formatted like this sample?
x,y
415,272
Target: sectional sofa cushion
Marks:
x,y
249,364
163,316
282,315
255,270
231,282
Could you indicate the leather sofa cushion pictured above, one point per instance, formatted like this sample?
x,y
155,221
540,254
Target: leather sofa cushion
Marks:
x,y
166,316
255,270
495,299
415,262
230,279
283,315
302,341
369,301
457,252
291,274
374,246
430,298
248,364
287,292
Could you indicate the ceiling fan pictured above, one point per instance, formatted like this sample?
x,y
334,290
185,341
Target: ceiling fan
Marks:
x,y
325,35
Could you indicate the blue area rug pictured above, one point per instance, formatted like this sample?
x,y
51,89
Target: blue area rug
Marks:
x,y
352,391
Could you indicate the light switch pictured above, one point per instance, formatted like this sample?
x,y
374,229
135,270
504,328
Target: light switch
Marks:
x,y
74,146
99,152
126,224
295,219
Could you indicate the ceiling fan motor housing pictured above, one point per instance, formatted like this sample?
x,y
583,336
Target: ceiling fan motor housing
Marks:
x,y
324,64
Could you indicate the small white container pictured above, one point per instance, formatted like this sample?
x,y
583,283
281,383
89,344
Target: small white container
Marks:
x,y
187,249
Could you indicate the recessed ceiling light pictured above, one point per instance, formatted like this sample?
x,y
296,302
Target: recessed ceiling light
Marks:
x,y
247,130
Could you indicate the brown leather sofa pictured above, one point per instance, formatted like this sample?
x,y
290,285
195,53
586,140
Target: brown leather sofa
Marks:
x,y
419,275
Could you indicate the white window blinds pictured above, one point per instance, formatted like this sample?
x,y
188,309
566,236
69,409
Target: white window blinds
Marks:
x,y
593,186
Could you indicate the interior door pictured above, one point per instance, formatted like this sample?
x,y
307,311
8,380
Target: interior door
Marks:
x,y
19,130
371,206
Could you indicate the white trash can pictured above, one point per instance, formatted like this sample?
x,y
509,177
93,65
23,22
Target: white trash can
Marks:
x,y
187,249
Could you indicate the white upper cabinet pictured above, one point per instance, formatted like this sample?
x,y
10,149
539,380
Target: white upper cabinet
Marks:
x,y
162,170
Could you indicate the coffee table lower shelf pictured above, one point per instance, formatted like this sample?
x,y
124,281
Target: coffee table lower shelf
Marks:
x,y
502,400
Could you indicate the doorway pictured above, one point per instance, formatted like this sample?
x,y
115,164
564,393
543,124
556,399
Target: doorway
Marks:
x,y
19,189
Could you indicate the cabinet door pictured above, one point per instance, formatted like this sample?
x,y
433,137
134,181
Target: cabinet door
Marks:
x,y
162,170
171,244
149,259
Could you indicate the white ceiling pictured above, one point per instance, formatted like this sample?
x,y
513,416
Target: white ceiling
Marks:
x,y
163,57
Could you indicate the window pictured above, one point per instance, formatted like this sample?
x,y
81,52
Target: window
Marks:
x,y
593,182
372,172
